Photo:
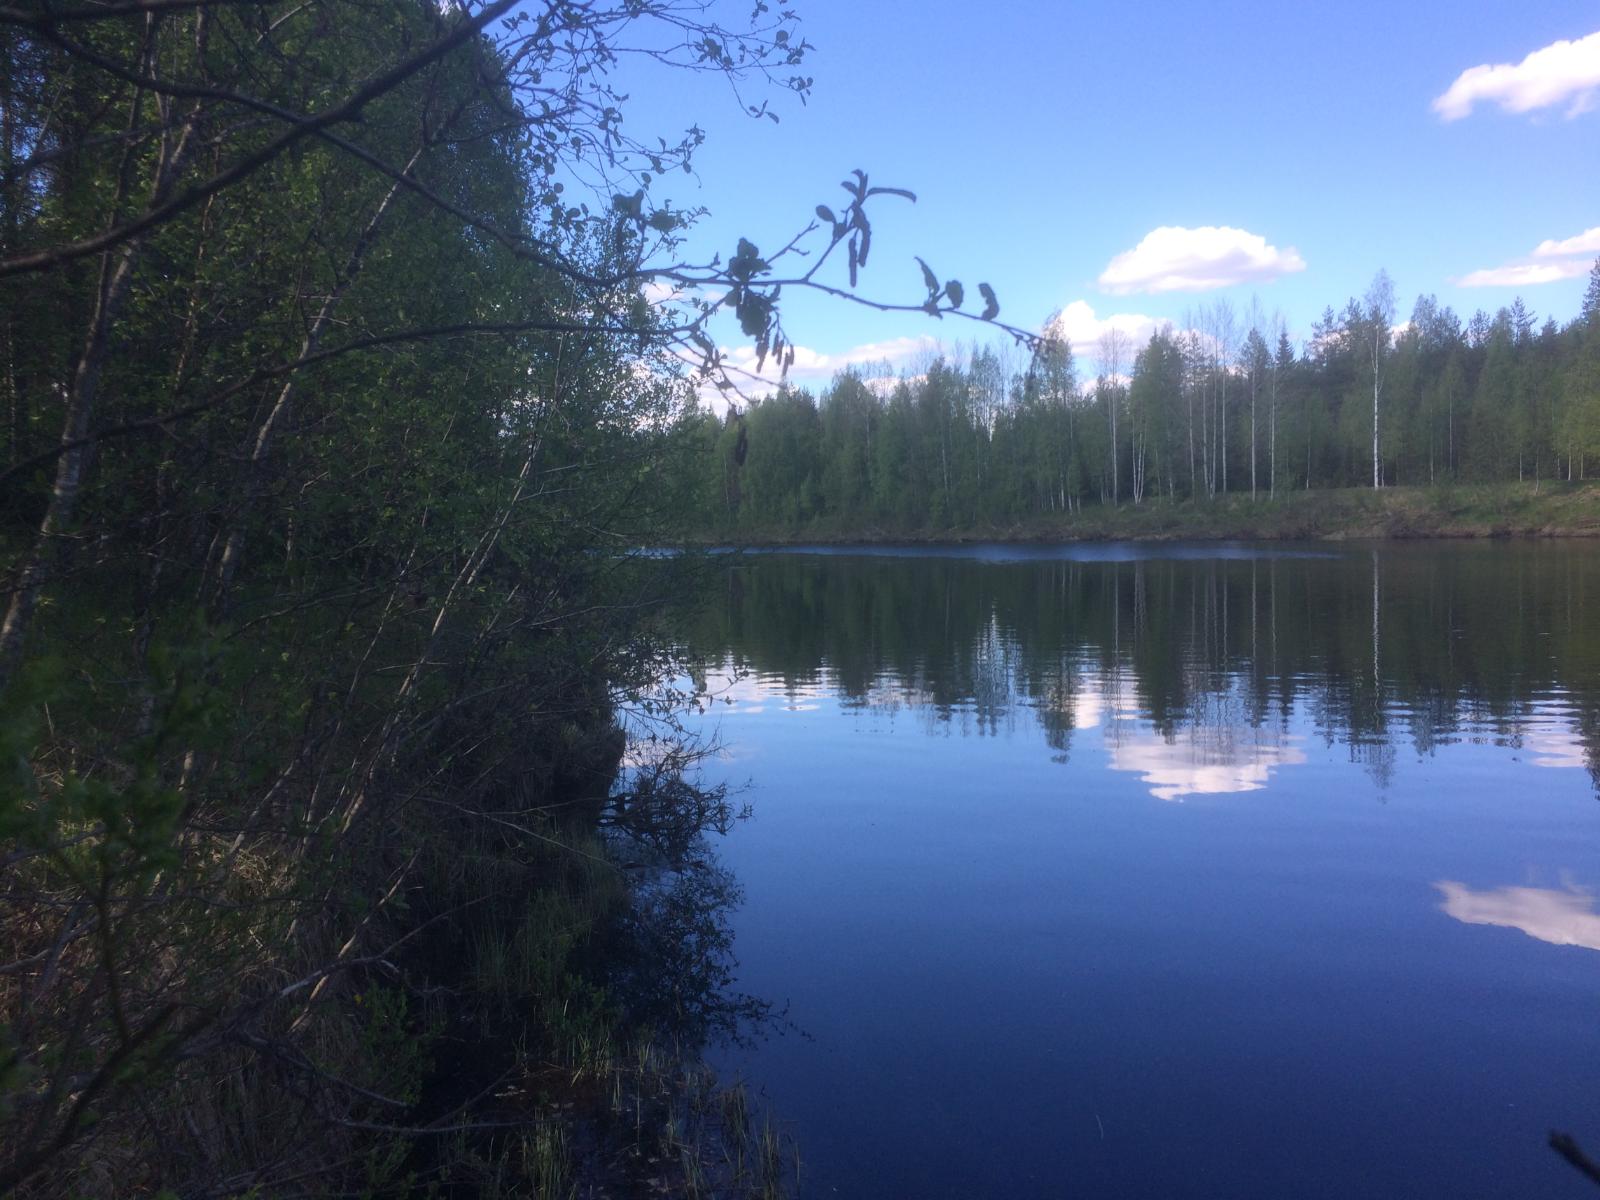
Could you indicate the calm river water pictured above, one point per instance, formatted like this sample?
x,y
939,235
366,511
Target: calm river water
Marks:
x,y
1168,871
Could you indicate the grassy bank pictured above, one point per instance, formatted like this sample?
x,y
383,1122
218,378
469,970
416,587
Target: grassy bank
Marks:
x,y
1477,511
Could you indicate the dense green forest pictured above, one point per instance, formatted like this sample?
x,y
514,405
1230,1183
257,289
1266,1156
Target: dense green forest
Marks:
x,y
993,437
348,845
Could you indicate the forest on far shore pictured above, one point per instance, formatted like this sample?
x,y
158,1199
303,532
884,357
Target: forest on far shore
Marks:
x,y
990,436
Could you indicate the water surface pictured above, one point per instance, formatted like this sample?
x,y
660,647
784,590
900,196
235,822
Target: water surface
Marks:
x,y
1184,871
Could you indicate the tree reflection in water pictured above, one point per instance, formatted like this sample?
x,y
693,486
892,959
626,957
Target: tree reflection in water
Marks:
x,y
1190,667
673,967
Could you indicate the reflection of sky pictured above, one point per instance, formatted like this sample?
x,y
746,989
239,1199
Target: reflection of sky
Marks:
x,y
1188,766
1562,917
1219,746
749,694
1554,746
1208,756
1155,855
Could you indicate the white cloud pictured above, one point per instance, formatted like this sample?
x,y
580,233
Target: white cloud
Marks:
x,y
1176,259
811,368
661,291
1561,73
1550,262
742,358
893,352
1587,242
1082,328
1525,274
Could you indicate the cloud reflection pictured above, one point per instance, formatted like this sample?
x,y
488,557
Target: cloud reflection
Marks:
x,y
1192,765
1556,747
733,691
1563,917
1218,752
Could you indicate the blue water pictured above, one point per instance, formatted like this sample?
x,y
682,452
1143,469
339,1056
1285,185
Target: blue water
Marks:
x,y
1205,874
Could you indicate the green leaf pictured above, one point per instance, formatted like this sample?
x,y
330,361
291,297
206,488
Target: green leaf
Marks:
x,y
929,278
955,291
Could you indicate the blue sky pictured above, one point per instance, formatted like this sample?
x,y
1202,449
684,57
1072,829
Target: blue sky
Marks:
x,y
1095,157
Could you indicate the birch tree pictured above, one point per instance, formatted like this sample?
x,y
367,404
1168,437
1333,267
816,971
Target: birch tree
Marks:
x,y
1113,347
1378,305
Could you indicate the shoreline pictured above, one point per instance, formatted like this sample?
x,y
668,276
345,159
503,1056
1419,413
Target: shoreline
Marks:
x,y
1525,511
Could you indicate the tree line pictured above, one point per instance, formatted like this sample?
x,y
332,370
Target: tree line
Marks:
x,y
1223,404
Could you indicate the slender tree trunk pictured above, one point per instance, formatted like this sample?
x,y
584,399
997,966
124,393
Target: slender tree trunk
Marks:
x,y
1189,392
320,325
1272,443
1450,427
1116,488
1377,384
115,282
1252,434
1222,424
